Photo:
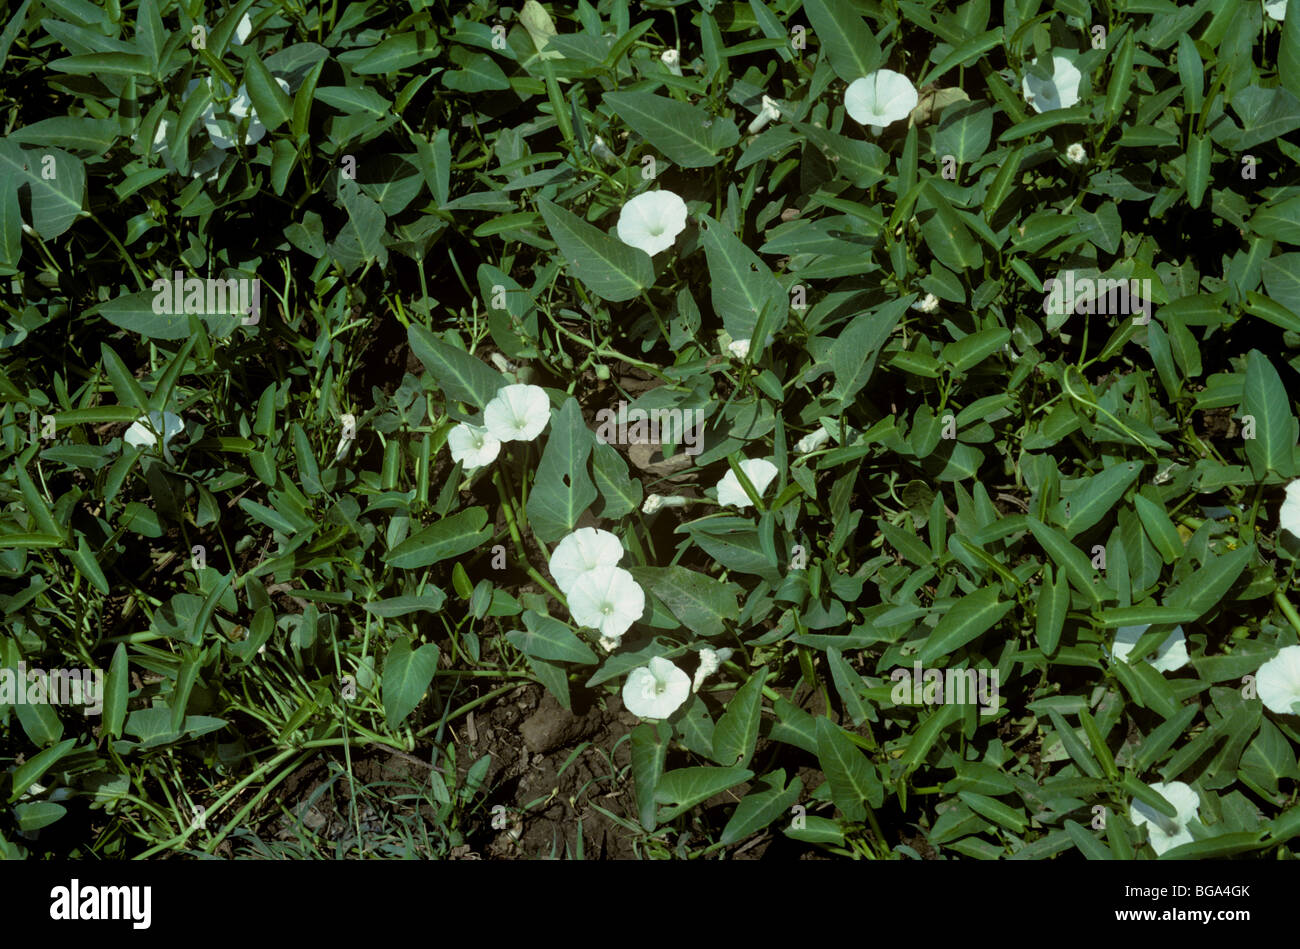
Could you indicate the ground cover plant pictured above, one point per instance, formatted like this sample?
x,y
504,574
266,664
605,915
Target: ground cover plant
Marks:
x,y
665,430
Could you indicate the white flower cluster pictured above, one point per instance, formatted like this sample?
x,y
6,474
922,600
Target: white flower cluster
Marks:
x,y
517,413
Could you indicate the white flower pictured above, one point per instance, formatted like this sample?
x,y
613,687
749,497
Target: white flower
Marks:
x,y
1171,655
1060,93
1165,833
243,30
769,113
656,690
601,150
812,441
208,160
222,131
1076,153
738,348
472,446
656,501
349,423
1288,518
760,473
582,551
609,643
652,220
880,98
607,599
1276,9
709,662
518,413
927,304
673,60
1278,681
139,435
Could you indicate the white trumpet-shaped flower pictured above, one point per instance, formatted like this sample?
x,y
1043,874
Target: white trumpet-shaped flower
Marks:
x,y
739,348
710,660
656,690
760,473
1076,153
652,220
517,413
167,423
1165,832
673,60
1278,682
606,599
1060,92
813,440
880,98
582,551
1288,518
656,501
1276,9
1171,655
473,446
927,304
769,113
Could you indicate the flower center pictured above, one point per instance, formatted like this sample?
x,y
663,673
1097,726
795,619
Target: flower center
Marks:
x,y
607,609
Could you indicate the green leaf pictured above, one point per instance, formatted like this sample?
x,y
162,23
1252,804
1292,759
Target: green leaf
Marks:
x,y
945,233
760,807
1200,150
852,778
1091,501
117,689
926,735
407,675
969,351
848,684
649,749
272,103
464,378
702,603
1288,56
1159,528
1074,747
610,269
845,38
994,810
81,134
853,359
396,53
1070,558
1265,403
736,732
134,312
548,638
964,131
686,134
1047,120
687,787
622,494
741,286
1202,591
450,537
55,200
970,616
1053,603
562,489
30,771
